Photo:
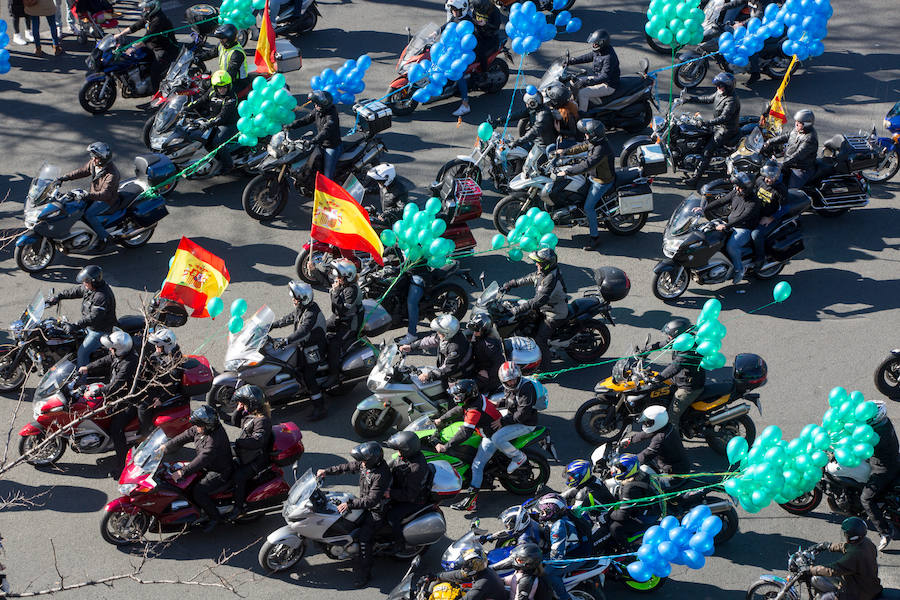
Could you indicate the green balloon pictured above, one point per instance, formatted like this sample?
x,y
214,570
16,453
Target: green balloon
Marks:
x,y
837,396
449,245
409,211
683,36
665,36
549,240
863,434
515,254
438,227
528,244
424,238
485,131
436,248
433,205
863,451
238,307
436,262
215,306
713,361
708,347
670,11
865,411
696,38
388,237
533,212
235,325
736,450
684,342
413,254
544,222
421,220
498,241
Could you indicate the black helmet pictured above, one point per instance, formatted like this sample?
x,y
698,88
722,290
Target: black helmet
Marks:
x,y
599,39
206,417
771,170
227,33
593,129
854,530
321,98
557,95
250,396
405,442
368,453
545,259
149,8
527,557
481,9
676,327
91,273
100,151
742,180
463,391
725,80
480,322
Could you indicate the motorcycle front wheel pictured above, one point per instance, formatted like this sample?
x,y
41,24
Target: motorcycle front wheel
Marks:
x,y
121,528
593,423
887,167
590,343
92,98
11,379
668,285
805,504
721,434
459,169
529,478
35,257
274,557
401,102
308,21
148,128
887,377
365,422
507,211
48,455
769,273
764,590
691,74
264,199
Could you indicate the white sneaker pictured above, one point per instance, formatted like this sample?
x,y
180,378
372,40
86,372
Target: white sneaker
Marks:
x,y
883,543
28,36
409,338
19,40
517,462
462,110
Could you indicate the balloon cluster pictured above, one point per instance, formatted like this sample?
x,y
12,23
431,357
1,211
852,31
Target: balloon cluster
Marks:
x,y
268,107
4,53
533,230
706,338
418,234
528,28
739,45
807,26
565,20
237,12
450,57
687,543
675,22
346,82
237,310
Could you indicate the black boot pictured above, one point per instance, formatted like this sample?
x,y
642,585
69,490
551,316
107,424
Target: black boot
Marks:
x,y
592,244
362,567
754,77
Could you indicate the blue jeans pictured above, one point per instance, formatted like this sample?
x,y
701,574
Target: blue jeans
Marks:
x,y
90,343
463,86
413,297
92,216
36,30
596,193
798,178
331,160
735,246
759,235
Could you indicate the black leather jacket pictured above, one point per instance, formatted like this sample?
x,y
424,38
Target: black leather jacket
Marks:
x,y
606,67
600,161
346,304
218,110
160,45
549,293
520,403
542,130
744,208
255,440
373,483
408,479
213,451
685,370
328,126
726,112
800,149
98,306
887,451
308,322
665,450
121,369
454,355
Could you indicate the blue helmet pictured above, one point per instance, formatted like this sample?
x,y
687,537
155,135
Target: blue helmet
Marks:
x,y
625,466
577,472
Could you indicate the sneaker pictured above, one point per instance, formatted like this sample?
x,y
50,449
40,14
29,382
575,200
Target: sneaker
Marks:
x,y
18,40
462,110
469,503
409,338
883,543
28,36
517,462
738,276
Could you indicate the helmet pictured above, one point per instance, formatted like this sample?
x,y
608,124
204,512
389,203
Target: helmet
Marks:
x,y
119,341
163,337
742,180
94,392
100,151
474,560
854,529
880,415
676,327
460,5
321,98
550,507
446,325
301,291
625,466
250,396
509,371
599,39
558,95
771,170
806,117
527,557
149,8
593,129
534,100
545,259
368,453
205,416
653,419
725,80
577,472
463,391
220,78
345,269
480,323
405,442
227,33
481,9
383,173
90,273
515,519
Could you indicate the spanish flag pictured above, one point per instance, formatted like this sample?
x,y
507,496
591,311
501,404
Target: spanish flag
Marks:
x,y
776,117
339,220
195,276
265,45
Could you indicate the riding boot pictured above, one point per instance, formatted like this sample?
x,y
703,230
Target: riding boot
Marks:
x,y
694,179
318,411
362,567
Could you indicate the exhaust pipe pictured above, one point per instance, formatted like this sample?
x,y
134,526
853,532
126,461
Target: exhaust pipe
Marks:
x,y
728,415
719,507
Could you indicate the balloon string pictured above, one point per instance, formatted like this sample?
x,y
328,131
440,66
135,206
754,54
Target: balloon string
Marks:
x,y
687,62
568,561
649,500
407,265
188,169
513,99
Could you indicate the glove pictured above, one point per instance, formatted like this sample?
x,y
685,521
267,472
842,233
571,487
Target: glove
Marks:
x,y
505,287
279,344
483,539
821,547
67,328
52,300
625,443
702,123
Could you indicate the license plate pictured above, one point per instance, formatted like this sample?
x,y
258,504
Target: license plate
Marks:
x,y
840,190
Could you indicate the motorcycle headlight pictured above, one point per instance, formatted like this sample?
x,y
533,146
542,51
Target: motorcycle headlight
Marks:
x,y
156,142
671,246
126,488
235,364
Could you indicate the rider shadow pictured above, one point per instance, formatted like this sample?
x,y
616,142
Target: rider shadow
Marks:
x,y
763,550
57,498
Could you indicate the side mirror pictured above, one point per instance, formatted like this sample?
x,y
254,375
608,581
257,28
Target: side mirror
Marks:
x,y
481,278
644,65
647,341
417,561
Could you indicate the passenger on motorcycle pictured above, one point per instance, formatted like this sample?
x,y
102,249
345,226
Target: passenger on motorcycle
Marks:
x,y
213,458
885,465
565,114
854,576
162,375
104,191
159,38
253,444
570,537
599,165
540,126
487,22
409,474
772,195
327,143
393,195
487,353
486,584
527,582
605,78
411,283
549,298
309,337
665,452
218,107
346,317
684,370
725,123
519,398
582,487
457,12
742,219
374,483
518,526
626,520
454,350
232,56
98,309
801,147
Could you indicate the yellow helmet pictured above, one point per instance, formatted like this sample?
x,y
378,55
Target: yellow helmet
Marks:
x,y
220,78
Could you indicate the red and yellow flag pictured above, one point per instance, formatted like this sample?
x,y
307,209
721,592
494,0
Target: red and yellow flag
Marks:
x,y
265,45
339,220
776,117
195,276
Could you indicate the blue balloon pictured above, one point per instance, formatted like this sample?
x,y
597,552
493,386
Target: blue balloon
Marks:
x,y
538,20
426,65
437,50
739,33
802,53
679,560
563,18
771,12
450,28
794,33
4,38
668,523
530,89
548,32
711,525
465,28
468,42
316,83
328,75
726,38
421,96
510,29
574,25
817,48
680,536
667,550
517,46
637,569
4,54
346,98
468,58
363,62
559,4
647,553
434,88
654,534
662,569
694,559
4,68
3,26
528,9
753,25
416,72
532,44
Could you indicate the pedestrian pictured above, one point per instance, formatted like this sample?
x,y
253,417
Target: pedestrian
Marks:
x,y
16,13
47,9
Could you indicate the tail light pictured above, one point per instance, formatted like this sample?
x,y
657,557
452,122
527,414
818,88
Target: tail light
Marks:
x,y
649,180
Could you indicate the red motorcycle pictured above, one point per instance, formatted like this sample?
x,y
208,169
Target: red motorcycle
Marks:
x,y
151,499
418,49
59,402
461,203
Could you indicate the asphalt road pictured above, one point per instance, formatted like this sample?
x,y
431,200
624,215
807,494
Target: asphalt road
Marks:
x,y
839,323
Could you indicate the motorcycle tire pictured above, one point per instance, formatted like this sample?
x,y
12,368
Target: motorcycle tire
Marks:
x,y
769,273
401,103
831,213
507,211
364,422
763,590
588,592
447,298
138,525
600,337
657,46
515,484
50,454
244,36
804,504
590,419
308,21
168,188
258,201
630,159
777,71
221,398
23,255
459,169
626,224
306,273
742,426
691,75
667,292
275,558
11,379
887,377
887,168
643,120
138,240
730,524
145,132
90,99
501,69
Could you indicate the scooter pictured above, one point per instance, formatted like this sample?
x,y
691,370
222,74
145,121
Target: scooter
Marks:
x,y
312,516
152,499
887,375
418,49
888,149
109,69
55,221
493,159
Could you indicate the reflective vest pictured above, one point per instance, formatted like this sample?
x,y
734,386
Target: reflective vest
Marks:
x,y
225,58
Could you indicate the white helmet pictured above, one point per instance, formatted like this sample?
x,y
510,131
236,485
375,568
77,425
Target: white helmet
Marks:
x,y
515,519
163,337
383,173
461,5
654,418
119,341
446,325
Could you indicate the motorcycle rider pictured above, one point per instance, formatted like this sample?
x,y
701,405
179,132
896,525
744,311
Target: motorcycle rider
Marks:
x,y
98,309
453,349
772,195
219,109
725,121
374,483
232,56
742,219
519,398
104,192
605,78
309,337
486,584
487,353
162,373
253,416
625,520
327,143
159,38
684,370
540,126
518,526
393,195
549,298
570,538
457,12
487,22
527,581
885,466
408,476
854,576
581,485
213,459
665,450
565,114
346,315
801,146
600,163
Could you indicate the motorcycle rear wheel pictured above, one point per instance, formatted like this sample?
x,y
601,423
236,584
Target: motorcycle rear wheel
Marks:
x,y
121,528
887,377
590,419
582,350
308,21
275,558
459,169
691,74
657,46
886,169
805,504
524,481
507,211
730,521
11,379
769,273
763,590
668,286
221,398
29,261
138,240
259,203
306,272
91,100
500,70
742,426
448,298
401,102
364,422
49,455
626,224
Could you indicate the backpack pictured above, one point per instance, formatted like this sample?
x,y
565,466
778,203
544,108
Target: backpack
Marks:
x,y
541,402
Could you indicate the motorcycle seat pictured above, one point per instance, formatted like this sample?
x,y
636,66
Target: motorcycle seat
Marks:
x,y
796,202
128,193
417,514
834,143
131,323
626,87
626,176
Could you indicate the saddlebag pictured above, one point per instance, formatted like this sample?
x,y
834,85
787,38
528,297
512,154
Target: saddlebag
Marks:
x,y
150,211
652,160
843,191
287,445
635,198
787,245
153,169
196,376
852,152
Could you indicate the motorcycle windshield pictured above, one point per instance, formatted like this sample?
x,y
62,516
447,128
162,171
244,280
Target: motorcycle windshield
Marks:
x,y
489,294
453,554
684,216
54,379
386,360
895,110
753,143
424,37
149,453
180,67
252,337
40,186
421,424
169,113
302,489
34,312
552,75
107,43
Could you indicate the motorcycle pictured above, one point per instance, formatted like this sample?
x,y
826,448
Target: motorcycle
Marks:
x,y
623,209
716,416
887,375
799,563
189,142
253,358
493,158
55,221
286,22
186,78
312,516
695,249
772,61
110,69
152,500
544,5
418,49
888,149
58,403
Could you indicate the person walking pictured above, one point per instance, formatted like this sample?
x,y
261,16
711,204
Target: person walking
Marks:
x,y
47,9
16,14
